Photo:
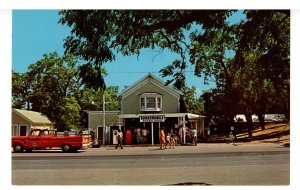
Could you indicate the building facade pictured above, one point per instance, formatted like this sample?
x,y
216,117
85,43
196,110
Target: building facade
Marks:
x,y
146,107
24,120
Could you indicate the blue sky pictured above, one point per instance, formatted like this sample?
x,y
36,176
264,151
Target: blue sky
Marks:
x,y
36,32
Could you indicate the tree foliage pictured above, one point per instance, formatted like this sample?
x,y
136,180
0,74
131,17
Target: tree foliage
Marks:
x,y
97,35
248,59
53,86
193,103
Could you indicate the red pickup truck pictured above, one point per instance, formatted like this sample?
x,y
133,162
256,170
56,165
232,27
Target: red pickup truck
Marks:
x,y
45,139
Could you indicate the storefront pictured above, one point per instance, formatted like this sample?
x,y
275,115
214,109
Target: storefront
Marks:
x,y
146,107
144,129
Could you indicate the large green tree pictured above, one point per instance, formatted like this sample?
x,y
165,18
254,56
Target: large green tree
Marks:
x,y
262,63
97,35
247,59
48,88
54,87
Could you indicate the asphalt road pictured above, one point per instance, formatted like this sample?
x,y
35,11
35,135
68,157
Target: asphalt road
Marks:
x,y
202,165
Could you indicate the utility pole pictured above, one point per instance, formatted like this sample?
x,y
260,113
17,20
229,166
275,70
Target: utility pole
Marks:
x,y
104,127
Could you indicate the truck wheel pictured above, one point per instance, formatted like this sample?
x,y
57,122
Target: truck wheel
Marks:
x,y
66,148
18,148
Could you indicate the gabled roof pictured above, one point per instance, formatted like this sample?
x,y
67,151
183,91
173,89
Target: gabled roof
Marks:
x,y
32,116
149,78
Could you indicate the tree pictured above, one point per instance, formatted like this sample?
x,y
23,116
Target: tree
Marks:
x,y
193,103
70,110
97,35
48,88
20,92
262,63
54,87
91,100
246,59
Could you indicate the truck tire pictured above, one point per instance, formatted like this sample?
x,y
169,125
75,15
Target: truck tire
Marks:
x,y
66,148
18,148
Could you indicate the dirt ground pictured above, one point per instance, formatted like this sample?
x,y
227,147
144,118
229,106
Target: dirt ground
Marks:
x,y
273,133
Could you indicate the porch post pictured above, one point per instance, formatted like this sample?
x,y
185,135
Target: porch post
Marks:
x,y
152,133
159,131
184,129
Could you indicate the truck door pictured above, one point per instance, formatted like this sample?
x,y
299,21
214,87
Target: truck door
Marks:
x,y
34,139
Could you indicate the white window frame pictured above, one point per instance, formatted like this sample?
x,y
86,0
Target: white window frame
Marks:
x,y
143,98
15,128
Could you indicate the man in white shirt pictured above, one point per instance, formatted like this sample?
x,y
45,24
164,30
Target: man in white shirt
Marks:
x,y
120,139
194,136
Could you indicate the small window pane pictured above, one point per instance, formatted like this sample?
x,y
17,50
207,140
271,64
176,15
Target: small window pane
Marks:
x,y
151,103
158,102
142,103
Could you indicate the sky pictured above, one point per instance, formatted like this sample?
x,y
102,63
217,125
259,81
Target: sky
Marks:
x,y
36,32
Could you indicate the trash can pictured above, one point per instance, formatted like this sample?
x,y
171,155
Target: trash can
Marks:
x,y
128,136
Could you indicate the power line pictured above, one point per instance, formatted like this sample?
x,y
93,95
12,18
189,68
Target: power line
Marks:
x,y
137,72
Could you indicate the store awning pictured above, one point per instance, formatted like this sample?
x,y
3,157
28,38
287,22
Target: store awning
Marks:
x,y
189,115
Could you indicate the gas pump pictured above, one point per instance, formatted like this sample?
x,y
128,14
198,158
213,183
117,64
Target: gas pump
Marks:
x,y
115,137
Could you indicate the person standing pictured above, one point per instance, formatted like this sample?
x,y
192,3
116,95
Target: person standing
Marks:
x,y
193,135
172,139
180,133
120,139
162,139
144,135
138,135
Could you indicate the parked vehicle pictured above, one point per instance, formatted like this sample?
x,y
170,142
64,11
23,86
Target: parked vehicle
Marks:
x,y
41,139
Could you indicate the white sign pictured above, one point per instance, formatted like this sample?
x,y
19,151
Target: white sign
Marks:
x,y
152,118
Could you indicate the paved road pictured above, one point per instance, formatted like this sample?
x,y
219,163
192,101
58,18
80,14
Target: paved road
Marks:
x,y
210,164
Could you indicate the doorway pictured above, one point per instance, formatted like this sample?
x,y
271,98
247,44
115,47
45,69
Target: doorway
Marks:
x,y
100,134
23,130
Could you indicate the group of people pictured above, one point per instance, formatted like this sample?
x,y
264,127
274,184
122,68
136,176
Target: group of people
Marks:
x,y
141,135
169,139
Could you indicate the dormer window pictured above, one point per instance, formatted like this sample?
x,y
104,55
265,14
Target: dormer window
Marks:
x,y
151,102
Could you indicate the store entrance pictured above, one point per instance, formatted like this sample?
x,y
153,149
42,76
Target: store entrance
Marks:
x,y
155,133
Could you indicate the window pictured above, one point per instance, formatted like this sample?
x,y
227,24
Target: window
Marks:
x,y
151,102
14,131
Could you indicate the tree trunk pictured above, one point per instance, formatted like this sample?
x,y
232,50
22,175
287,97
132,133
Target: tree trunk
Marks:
x,y
261,118
287,115
249,124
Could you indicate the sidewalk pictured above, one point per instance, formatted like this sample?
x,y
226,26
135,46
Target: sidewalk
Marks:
x,y
187,149
201,148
